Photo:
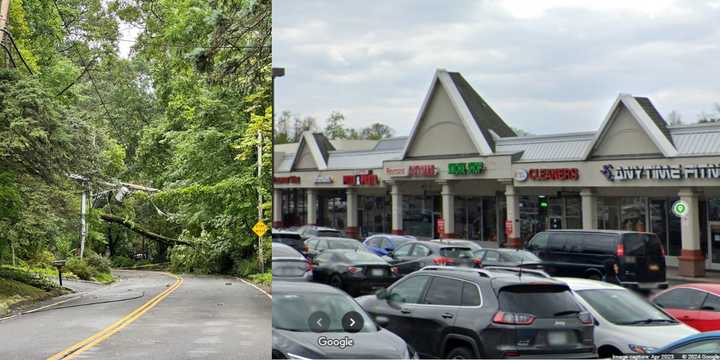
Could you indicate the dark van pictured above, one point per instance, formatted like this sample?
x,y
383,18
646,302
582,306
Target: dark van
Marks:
x,y
586,253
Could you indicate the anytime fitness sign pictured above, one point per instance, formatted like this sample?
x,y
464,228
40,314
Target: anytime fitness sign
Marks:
x,y
661,172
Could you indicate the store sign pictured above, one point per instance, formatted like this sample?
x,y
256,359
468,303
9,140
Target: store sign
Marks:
x,y
661,172
286,180
402,171
422,170
561,174
324,180
369,180
471,168
440,225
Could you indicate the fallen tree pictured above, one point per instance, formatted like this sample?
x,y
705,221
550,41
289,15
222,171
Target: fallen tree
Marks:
x,y
142,231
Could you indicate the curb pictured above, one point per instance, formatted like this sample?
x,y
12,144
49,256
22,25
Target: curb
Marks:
x,y
256,287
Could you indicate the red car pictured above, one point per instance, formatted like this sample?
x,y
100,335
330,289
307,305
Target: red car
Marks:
x,y
697,305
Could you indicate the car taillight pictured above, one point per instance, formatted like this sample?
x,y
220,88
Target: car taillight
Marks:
x,y
477,262
585,318
443,261
354,269
620,250
395,270
502,317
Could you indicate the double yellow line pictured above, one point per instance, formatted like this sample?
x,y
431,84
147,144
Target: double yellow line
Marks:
x,y
82,346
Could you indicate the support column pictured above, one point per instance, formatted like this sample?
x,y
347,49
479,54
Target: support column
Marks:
x,y
311,205
397,220
513,214
448,210
277,209
589,209
351,204
692,259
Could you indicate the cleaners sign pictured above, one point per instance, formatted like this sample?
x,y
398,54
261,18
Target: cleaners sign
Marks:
x,y
661,172
562,174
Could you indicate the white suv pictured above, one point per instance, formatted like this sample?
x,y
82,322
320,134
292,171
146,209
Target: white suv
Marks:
x,y
625,323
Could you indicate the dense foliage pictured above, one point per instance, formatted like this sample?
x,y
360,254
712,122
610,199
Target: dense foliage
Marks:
x,y
181,114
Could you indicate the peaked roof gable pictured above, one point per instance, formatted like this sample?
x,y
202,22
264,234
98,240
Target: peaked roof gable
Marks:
x,y
476,116
647,117
317,145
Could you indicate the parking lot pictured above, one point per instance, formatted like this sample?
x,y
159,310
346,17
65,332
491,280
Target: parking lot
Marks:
x,y
452,298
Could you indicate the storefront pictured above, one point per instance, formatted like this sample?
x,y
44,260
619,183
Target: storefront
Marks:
x,y
462,172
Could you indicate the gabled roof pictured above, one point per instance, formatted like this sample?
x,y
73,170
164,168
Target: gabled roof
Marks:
x,y
319,147
647,117
476,115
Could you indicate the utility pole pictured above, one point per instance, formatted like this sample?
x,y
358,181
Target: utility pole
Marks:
x,y
260,210
83,222
4,6
276,72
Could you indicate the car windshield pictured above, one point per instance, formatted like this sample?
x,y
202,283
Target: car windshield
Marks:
x,y
401,240
291,311
456,252
521,256
363,257
344,244
328,233
622,307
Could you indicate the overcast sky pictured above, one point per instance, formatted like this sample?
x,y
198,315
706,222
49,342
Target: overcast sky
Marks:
x,y
545,66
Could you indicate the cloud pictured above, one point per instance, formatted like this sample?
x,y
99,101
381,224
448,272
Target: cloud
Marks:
x,y
544,66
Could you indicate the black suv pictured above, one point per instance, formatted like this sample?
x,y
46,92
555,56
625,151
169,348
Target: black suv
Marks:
x,y
290,238
588,253
495,312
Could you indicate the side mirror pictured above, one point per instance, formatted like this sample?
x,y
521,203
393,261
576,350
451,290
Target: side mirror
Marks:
x,y
381,294
707,308
382,321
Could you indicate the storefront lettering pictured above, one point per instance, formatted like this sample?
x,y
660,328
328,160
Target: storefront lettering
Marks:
x,y
286,180
396,171
423,170
324,180
370,179
471,168
562,174
661,172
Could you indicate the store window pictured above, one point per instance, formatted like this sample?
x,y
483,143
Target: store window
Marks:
x,y
332,209
420,213
374,215
476,218
633,213
294,211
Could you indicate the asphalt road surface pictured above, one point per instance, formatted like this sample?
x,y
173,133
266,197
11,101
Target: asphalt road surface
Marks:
x,y
147,315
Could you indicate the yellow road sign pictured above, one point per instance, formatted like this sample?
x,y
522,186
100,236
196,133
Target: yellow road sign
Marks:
x,y
260,228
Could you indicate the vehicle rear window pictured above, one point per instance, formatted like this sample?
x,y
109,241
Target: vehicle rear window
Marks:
x,y
642,245
543,301
444,291
521,256
282,251
329,233
456,252
288,268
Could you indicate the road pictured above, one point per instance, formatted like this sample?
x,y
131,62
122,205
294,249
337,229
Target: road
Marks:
x,y
195,317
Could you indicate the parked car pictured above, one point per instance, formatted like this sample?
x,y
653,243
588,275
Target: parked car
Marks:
x,y
697,305
382,244
703,343
355,272
587,253
317,245
289,238
508,257
415,255
290,265
625,323
292,338
308,231
464,313
474,246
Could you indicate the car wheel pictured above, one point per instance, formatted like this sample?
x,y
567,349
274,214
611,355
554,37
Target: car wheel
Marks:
x,y
460,353
336,281
607,352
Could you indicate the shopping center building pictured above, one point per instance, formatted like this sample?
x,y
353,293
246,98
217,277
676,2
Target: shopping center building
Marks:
x,y
463,173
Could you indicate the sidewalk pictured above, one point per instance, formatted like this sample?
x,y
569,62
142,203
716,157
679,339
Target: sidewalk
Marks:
x,y
710,276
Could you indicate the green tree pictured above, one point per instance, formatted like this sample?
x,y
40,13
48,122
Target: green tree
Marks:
x,y
335,127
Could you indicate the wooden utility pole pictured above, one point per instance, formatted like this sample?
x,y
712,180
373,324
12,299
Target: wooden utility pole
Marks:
x,y
260,210
4,6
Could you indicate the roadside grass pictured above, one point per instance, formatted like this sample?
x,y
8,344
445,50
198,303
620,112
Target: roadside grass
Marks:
x,y
104,278
18,286
264,279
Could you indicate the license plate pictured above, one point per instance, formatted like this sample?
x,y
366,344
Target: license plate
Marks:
x,y
654,267
377,272
558,338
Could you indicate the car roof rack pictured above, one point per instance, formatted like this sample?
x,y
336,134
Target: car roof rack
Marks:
x,y
518,270
481,272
